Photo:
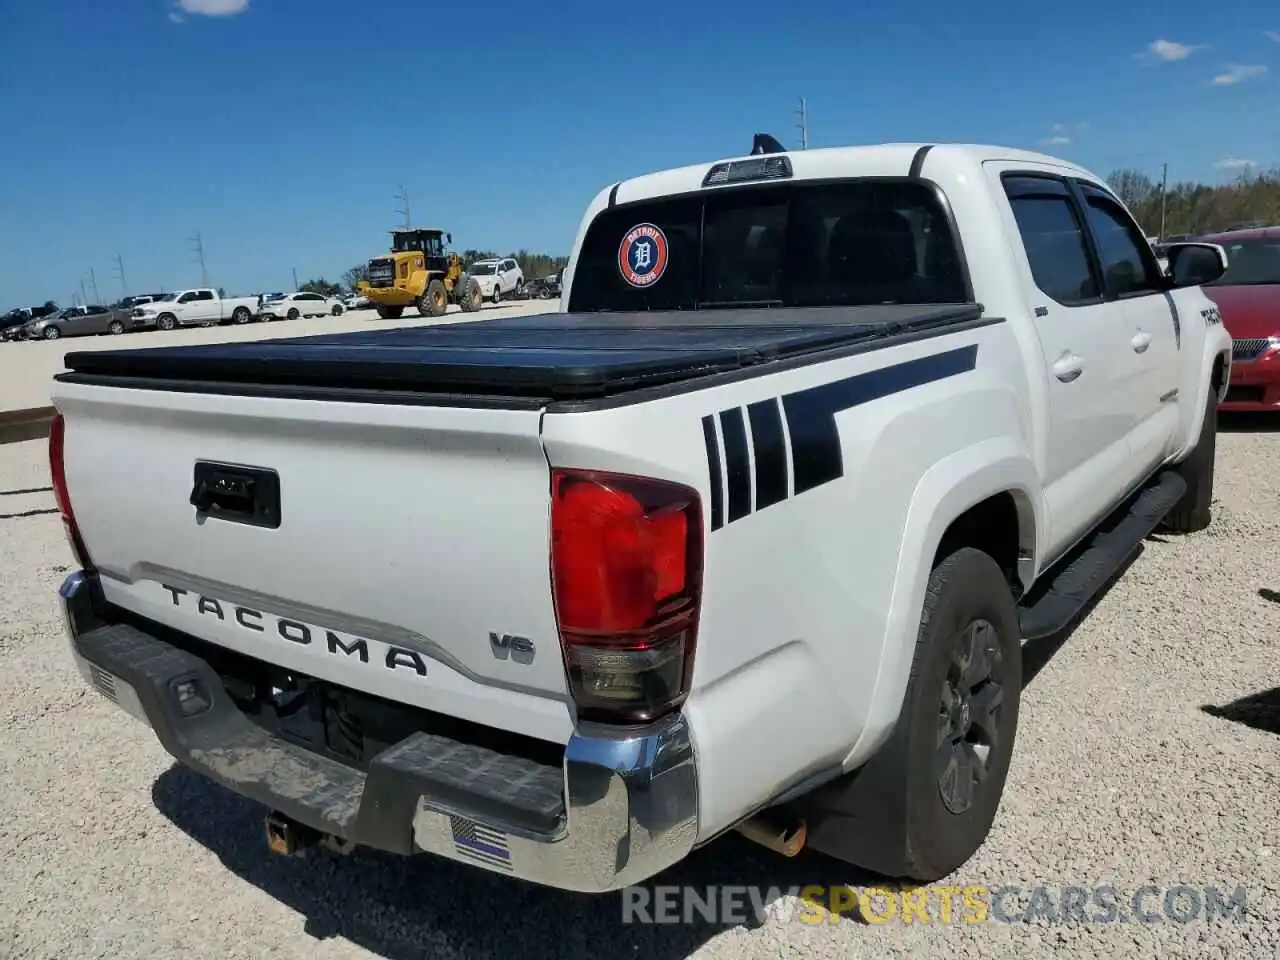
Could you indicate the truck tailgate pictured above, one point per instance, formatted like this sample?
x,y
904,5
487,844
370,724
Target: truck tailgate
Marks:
x,y
409,539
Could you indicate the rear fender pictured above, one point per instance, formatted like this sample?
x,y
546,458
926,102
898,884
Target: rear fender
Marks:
x,y
947,490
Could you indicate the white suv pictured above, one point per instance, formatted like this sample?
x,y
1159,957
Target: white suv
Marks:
x,y
497,278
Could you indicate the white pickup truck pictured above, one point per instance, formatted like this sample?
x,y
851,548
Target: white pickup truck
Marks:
x,y
746,538
201,306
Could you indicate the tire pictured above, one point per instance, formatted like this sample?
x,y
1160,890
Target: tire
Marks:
x,y
435,300
292,314
898,815
166,321
497,293
390,313
115,327
241,315
337,310
471,299
1194,511
51,333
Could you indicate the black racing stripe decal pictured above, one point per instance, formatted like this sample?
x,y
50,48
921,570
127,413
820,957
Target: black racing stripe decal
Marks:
x,y
1177,321
737,466
811,414
771,452
713,469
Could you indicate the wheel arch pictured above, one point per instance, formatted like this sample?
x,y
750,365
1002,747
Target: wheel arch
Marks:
x,y
987,495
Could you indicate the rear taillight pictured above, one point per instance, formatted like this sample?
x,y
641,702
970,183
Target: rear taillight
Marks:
x,y
58,475
626,563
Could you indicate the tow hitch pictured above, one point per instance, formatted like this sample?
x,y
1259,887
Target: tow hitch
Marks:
x,y
288,837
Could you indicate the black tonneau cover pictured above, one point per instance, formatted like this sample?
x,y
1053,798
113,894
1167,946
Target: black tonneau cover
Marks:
x,y
552,356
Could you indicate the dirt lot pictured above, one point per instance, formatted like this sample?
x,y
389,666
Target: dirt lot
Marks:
x,y
1149,753
27,367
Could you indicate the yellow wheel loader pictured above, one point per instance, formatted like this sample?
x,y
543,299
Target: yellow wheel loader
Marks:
x,y
419,272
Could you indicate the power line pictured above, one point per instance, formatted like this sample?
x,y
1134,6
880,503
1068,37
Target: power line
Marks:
x,y
1164,194
403,197
803,114
118,272
198,250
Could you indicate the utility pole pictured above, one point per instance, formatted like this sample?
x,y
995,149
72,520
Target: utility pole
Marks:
x,y
403,197
803,114
83,297
198,249
93,284
1164,192
295,279
119,275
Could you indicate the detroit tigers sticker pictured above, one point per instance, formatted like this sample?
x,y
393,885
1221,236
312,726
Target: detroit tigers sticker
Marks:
x,y
642,255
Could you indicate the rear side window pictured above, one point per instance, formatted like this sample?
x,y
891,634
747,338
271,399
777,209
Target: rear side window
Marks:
x,y
846,243
1055,245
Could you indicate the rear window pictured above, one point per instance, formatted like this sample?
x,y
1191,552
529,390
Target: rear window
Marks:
x,y
848,243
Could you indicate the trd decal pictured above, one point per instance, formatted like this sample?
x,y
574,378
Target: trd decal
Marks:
x,y
810,416
1211,316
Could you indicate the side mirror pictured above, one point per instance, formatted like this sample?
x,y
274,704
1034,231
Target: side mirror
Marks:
x,y
1193,264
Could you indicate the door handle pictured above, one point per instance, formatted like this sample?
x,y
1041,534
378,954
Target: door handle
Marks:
x,y
1068,368
1140,342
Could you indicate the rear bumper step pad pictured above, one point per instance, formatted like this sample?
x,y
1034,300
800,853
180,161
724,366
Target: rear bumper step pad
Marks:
x,y
622,808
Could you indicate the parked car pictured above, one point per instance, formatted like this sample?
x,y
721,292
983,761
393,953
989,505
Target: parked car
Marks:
x,y
201,306
1248,301
748,538
290,306
497,278
357,302
84,321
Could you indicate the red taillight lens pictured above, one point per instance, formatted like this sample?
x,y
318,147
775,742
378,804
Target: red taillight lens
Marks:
x,y
626,563
58,477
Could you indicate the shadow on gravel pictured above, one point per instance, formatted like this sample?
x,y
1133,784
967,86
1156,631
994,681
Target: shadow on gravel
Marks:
x,y
28,513
1036,654
1261,711
1239,421
402,908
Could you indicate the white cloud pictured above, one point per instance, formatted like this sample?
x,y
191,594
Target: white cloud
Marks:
x,y
1169,51
1272,35
1058,141
1064,133
176,17
1234,163
1238,72
214,8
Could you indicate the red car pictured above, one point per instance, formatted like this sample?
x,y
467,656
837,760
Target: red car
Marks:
x,y
1248,296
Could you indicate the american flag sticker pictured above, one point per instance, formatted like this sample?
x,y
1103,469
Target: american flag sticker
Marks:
x,y
479,844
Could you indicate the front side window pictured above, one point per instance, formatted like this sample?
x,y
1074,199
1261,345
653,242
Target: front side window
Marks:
x,y
1128,264
848,243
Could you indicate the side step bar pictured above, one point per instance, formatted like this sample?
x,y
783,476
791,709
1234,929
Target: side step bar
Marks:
x,y
1060,595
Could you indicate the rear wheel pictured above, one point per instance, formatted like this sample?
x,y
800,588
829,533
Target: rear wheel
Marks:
x,y
924,803
116,327
1194,511
390,313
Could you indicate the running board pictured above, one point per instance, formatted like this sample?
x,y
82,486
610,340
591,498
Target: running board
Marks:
x,y
1064,591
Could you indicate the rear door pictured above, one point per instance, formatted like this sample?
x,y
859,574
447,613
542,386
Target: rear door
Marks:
x,y
1085,349
404,540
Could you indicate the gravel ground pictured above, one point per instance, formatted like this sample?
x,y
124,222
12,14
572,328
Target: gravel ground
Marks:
x,y
1147,755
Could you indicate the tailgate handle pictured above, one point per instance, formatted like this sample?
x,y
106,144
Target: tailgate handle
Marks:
x,y
236,493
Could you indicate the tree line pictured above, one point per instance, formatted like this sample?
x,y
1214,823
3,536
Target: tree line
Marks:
x,y
532,265
1197,208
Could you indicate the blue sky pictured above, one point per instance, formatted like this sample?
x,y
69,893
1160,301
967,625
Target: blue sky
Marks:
x,y
281,130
